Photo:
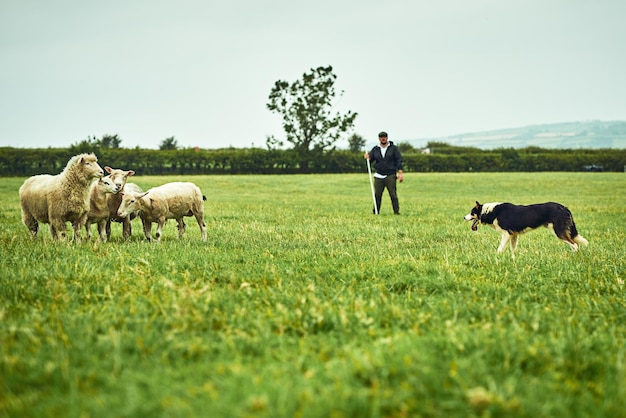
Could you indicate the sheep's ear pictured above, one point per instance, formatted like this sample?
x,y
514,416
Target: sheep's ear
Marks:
x,y
143,195
131,173
108,169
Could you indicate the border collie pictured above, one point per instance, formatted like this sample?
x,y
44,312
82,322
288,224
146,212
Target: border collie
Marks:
x,y
513,220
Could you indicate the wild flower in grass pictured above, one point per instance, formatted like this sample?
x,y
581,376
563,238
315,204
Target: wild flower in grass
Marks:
x,y
479,397
258,403
620,282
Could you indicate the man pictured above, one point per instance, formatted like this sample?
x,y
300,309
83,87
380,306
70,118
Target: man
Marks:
x,y
388,166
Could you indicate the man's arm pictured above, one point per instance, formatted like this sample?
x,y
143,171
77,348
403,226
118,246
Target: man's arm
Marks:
x,y
399,165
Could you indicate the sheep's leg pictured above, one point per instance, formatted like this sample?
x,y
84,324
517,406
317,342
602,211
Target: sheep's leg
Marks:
x,y
147,229
102,229
108,229
58,229
31,223
88,230
200,218
159,228
126,228
181,227
77,225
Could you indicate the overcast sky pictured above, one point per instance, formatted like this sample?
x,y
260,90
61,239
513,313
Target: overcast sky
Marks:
x,y
202,70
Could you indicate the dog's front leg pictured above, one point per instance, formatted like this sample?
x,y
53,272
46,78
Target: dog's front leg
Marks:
x,y
513,244
504,241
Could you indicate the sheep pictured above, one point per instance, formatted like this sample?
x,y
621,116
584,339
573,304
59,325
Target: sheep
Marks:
x,y
120,177
114,203
98,208
58,199
168,201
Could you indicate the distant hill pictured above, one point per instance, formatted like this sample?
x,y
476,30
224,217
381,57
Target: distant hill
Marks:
x,y
592,134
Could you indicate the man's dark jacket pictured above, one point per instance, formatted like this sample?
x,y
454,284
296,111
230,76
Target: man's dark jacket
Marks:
x,y
392,161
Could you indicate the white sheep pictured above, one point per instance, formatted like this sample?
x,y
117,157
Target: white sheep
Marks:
x,y
120,177
168,201
58,199
114,202
98,208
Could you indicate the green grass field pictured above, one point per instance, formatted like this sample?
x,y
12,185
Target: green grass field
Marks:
x,y
304,304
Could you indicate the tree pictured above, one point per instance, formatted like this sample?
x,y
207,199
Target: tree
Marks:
x,y
169,144
110,141
93,144
406,148
356,143
306,107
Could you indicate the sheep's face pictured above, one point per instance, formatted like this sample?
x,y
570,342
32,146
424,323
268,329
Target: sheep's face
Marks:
x,y
107,185
119,177
90,168
131,202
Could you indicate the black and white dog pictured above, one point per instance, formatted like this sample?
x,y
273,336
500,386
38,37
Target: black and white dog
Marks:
x,y
513,220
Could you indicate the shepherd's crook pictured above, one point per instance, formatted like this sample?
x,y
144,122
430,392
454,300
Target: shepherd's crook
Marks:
x,y
369,171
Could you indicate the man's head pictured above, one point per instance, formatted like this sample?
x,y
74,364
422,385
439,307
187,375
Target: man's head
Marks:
x,y
382,138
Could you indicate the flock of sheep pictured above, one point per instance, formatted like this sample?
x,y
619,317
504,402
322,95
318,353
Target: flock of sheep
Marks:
x,y
73,196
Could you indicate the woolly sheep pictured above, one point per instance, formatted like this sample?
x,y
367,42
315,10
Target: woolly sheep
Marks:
x,y
58,199
168,201
98,208
114,202
120,178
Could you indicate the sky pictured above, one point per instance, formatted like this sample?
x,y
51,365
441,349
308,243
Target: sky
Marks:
x,y
202,70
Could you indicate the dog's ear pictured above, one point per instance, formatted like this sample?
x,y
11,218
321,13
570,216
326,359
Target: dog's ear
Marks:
x,y
477,205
